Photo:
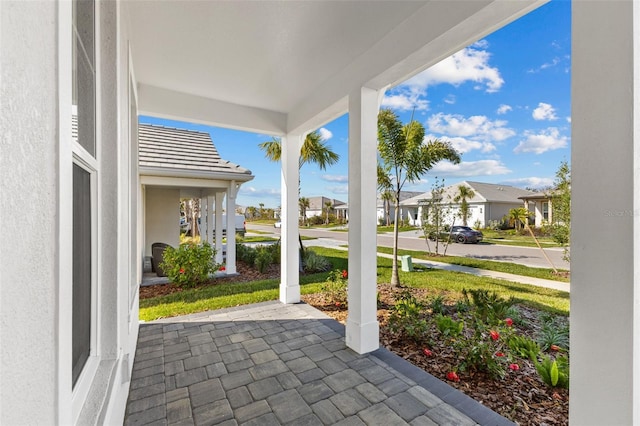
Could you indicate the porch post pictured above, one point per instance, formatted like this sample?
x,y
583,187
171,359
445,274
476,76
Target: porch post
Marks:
x,y
218,225
362,331
231,227
289,251
209,201
605,204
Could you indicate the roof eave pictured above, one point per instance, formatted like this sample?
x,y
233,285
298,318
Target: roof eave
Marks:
x,y
195,174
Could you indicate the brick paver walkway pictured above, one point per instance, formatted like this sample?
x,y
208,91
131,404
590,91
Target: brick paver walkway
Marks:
x,y
276,364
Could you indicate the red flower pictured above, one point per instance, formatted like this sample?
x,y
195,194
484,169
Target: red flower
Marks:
x,y
514,367
344,274
494,335
182,270
508,321
554,348
427,352
500,354
223,268
453,376
338,304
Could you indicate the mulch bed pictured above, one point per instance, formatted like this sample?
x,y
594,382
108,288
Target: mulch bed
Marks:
x,y
521,397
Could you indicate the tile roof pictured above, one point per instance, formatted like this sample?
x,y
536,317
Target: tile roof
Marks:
x,y
170,149
484,192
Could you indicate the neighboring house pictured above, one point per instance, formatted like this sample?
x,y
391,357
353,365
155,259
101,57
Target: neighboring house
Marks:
x,y
381,207
491,202
175,164
540,205
317,206
69,294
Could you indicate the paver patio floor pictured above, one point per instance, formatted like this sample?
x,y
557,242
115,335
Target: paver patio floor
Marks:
x,y
277,364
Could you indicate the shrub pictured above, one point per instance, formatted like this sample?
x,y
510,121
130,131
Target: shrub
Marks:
x,y
190,264
552,334
448,326
524,347
406,317
313,262
437,305
263,259
335,287
489,306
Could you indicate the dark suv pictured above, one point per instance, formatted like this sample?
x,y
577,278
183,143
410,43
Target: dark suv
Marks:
x,y
459,234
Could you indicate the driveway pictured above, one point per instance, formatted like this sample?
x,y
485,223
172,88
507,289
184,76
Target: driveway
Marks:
x,y
412,240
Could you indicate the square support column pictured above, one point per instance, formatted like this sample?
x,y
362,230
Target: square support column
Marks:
x,y
218,225
605,225
290,252
231,227
363,330
210,225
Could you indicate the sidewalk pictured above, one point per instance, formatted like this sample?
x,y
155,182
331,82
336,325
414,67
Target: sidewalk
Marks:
x,y
538,282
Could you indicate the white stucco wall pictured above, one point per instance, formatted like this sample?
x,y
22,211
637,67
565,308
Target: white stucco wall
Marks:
x,y
29,213
605,261
162,217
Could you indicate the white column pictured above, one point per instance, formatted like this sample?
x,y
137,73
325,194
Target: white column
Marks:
x,y
209,205
362,331
231,228
289,251
218,225
605,243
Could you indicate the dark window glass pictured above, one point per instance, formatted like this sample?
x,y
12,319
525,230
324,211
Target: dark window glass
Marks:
x,y
81,340
84,74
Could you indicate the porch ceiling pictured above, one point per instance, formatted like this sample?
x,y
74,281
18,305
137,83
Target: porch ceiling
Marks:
x,y
282,66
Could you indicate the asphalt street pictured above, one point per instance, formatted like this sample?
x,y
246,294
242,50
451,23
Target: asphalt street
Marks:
x,y
412,240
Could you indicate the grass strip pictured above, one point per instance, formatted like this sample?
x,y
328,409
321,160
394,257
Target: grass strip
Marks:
x,y
447,283
490,265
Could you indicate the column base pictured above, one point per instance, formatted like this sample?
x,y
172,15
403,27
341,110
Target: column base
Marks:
x,y
362,338
289,294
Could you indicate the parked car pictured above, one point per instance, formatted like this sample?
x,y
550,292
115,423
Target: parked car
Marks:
x,y
459,234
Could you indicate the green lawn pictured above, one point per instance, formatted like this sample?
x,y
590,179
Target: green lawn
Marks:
x,y
450,284
510,237
384,229
490,265
258,239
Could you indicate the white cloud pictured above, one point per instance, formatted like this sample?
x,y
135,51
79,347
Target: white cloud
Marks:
x,y
470,168
503,109
464,145
530,182
469,64
401,99
340,189
568,119
477,127
325,134
554,62
335,178
481,44
544,111
261,192
450,99
547,140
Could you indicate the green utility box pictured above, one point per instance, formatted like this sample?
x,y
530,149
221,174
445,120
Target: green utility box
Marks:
x,y
407,263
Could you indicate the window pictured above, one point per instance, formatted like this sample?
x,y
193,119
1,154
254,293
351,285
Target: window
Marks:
x,y
85,169
545,210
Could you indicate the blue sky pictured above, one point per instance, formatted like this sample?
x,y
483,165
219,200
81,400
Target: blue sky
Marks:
x,y
504,103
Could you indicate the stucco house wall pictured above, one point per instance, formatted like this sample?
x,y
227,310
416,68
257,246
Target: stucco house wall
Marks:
x,y
162,223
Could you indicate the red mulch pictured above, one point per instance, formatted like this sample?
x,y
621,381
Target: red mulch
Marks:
x,y
521,397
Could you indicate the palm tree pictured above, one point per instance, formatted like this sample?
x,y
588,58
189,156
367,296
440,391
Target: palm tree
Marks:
x,y
327,205
303,203
464,192
519,216
387,197
405,158
314,150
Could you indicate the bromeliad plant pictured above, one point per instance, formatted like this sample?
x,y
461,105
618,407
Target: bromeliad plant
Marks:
x,y
190,264
407,318
554,372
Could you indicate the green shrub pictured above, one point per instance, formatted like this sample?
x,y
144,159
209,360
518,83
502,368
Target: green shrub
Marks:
x,y
524,347
437,305
190,264
448,326
263,259
335,287
489,306
407,319
313,262
552,334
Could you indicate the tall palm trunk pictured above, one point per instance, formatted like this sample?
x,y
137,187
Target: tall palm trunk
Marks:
x,y
395,279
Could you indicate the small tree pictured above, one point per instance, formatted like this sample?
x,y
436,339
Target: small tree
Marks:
x,y
405,158
561,205
464,192
521,215
303,203
435,213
